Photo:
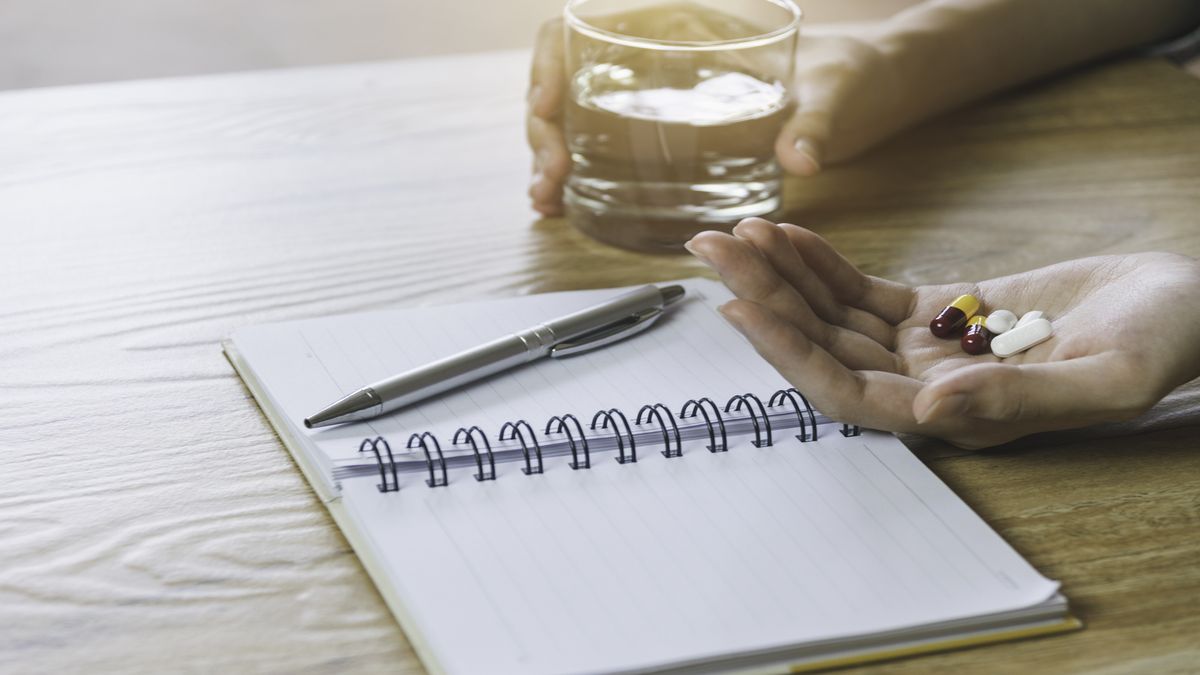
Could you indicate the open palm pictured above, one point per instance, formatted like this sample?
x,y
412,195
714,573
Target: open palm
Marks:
x,y
1125,330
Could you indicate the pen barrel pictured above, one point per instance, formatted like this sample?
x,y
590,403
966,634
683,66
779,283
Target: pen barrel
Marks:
x,y
461,368
598,316
509,351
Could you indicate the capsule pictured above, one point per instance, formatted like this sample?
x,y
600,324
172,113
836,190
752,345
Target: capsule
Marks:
x,y
954,316
976,339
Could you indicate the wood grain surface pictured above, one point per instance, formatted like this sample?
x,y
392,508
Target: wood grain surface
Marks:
x,y
150,521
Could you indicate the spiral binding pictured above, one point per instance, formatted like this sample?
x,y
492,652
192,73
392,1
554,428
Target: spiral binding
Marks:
x,y
433,480
611,415
563,428
744,399
469,434
567,430
516,432
373,444
790,395
697,407
654,410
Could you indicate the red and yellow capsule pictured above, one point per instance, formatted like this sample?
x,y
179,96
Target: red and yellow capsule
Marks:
x,y
954,316
977,338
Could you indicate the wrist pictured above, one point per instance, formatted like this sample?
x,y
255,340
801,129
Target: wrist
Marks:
x,y
928,49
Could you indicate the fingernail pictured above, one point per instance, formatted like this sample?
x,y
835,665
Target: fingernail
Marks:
x,y
694,251
806,148
744,223
730,318
946,406
535,95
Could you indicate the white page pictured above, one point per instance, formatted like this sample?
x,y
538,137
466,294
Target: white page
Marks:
x,y
305,365
621,567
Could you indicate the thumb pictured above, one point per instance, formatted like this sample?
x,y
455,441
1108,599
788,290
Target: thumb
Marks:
x,y
546,75
1040,396
802,141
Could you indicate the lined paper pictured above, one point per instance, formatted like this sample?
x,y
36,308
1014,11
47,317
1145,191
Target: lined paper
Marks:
x,y
626,567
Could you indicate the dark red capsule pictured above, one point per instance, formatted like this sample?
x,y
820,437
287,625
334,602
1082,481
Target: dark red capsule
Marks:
x,y
954,316
977,339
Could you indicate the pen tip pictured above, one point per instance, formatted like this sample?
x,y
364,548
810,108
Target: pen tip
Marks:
x,y
360,405
671,294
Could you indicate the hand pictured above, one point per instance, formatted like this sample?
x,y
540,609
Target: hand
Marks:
x,y
543,121
1125,334
850,98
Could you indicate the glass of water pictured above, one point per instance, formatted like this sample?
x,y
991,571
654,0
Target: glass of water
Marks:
x,y
672,113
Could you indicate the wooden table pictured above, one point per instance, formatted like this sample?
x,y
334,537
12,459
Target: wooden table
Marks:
x,y
151,521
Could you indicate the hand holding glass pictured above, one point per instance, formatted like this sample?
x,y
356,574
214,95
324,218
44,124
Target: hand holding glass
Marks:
x,y
672,113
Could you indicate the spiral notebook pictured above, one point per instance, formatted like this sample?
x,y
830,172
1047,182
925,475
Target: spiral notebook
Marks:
x,y
666,504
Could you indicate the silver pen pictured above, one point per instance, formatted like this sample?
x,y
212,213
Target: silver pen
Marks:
x,y
582,331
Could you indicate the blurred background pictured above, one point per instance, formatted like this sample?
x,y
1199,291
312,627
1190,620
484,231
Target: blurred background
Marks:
x,y
56,42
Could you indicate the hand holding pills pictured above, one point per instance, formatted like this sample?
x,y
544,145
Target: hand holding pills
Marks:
x,y
1099,339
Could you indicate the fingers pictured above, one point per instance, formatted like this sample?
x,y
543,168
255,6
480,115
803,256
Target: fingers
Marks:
x,y
546,76
803,142
887,300
844,92
546,196
1038,396
872,399
750,276
551,162
799,145
775,246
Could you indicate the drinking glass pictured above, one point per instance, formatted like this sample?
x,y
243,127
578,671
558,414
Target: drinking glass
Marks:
x,y
671,115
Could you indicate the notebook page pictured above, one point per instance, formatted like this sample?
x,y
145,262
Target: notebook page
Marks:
x,y
667,561
306,365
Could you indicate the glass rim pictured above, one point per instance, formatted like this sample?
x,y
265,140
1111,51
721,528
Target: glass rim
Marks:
x,y
578,23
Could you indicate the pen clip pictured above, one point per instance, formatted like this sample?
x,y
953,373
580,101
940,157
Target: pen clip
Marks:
x,y
603,337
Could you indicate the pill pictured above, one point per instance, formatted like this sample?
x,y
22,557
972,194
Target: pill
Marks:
x,y
975,340
954,316
1021,338
1029,316
1001,321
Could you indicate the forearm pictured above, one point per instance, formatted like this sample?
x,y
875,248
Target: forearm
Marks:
x,y
948,52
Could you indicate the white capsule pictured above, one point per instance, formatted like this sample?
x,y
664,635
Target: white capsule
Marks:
x,y
1029,316
1021,338
1000,321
